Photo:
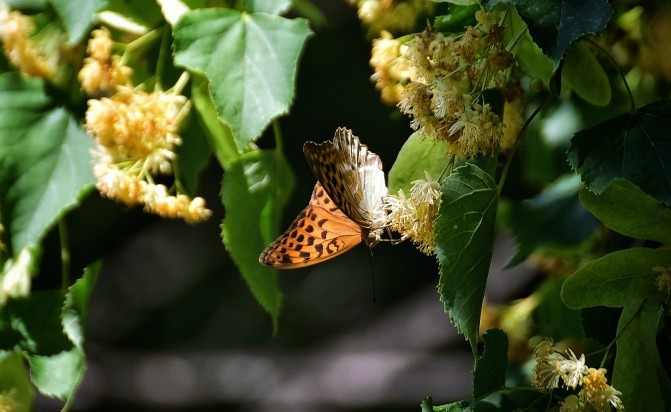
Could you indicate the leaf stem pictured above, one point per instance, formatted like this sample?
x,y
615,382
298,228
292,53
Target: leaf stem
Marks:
x,y
181,83
504,173
160,64
277,131
139,43
622,76
516,40
65,254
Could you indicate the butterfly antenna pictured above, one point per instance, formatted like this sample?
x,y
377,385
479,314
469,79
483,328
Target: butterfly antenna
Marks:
x,y
372,274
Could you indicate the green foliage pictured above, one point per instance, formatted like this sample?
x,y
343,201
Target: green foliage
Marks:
x,y
638,372
267,6
250,61
626,209
416,157
617,279
14,381
465,231
632,146
77,16
491,368
49,172
553,219
583,73
254,190
555,24
459,17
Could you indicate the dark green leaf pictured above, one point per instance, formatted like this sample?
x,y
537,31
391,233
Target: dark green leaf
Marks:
x,y
193,154
584,74
555,24
638,372
250,61
600,323
14,382
626,209
615,280
633,146
48,172
28,4
553,219
254,192
267,6
416,157
491,369
552,317
465,231
77,16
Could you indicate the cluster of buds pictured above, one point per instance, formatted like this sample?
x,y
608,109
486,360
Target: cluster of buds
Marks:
x,y
440,82
136,134
413,217
24,53
391,15
102,72
554,368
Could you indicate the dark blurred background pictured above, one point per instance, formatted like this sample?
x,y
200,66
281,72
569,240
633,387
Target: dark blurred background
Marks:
x,y
173,326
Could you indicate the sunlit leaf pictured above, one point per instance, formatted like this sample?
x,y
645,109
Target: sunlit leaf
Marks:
x,y
615,280
77,16
491,368
465,231
638,372
250,61
416,157
634,146
45,166
626,209
584,74
254,192
267,6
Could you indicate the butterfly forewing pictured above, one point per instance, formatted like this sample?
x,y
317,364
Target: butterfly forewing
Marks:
x,y
352,176
320,232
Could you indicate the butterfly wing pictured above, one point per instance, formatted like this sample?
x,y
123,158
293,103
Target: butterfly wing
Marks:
x,y
320,232
351,175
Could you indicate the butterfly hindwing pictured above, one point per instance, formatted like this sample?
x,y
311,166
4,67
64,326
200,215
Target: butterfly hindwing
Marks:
x,y
351,174
320,232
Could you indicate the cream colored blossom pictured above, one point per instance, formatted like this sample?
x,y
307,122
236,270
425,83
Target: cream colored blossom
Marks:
x,y
391,15
663,280
413,217
102,72
390,66
15,278
572,404
22,52
598,394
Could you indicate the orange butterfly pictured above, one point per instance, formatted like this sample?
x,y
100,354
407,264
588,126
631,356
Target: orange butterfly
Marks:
x,y
346,207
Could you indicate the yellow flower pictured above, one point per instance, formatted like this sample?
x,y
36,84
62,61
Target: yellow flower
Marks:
x,y
512,122
598,394
102,72
8,403
413,217
390,66
391,15
15,32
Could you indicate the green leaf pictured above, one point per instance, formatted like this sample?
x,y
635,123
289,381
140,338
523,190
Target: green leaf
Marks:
x,y
77,16
465,231
634,146
14,382
459,2
193,154
460,406
457,20
552,317
76,306
553,219
584,74
250,61
267,6
626,209
254,192
491,369
638,372
45,167
555,24
615,280
416,157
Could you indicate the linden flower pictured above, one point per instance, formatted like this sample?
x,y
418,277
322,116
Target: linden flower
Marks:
x,y
391,67
15,277
663,280
391,15
15,31
413,217
598,394
101,72
137,125
552,367
572,404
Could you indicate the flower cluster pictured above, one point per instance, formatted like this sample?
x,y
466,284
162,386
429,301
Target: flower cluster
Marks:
x,y
391,15
413,216
102,72
22,52
440,82
554,368
15,276
136,134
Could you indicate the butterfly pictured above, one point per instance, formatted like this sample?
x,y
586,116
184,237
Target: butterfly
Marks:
x,y
346,207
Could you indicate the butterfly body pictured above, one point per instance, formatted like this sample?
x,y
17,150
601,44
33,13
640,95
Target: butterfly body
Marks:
x,y
346,207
